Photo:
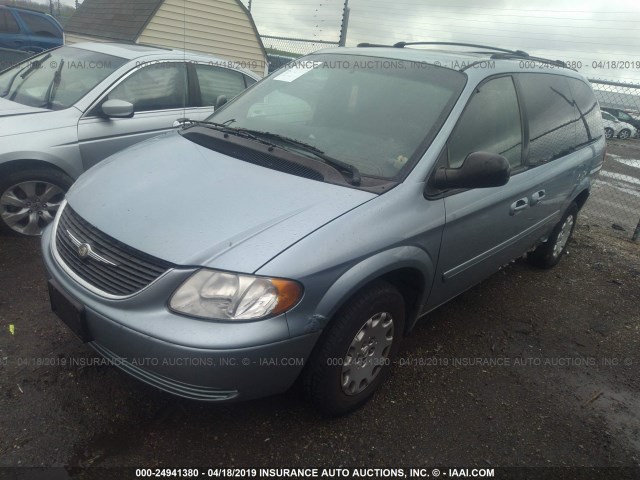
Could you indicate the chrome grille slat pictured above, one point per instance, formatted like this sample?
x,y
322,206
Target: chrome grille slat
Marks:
x,y
134,270
94,235
97,277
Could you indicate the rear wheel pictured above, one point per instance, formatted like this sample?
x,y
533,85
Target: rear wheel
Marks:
x,y
608,132
549,253
624,134
354,356
30,198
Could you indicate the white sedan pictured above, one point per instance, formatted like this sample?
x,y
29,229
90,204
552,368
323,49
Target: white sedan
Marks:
x,y
614,127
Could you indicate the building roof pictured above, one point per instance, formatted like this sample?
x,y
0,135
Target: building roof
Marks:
x,y
118,20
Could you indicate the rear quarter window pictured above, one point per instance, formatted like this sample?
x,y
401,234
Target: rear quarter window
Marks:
x,y
551,115
589,126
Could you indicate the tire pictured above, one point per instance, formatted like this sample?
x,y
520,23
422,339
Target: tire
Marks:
x,y
333,381
550,252
608,132
624,134
30,198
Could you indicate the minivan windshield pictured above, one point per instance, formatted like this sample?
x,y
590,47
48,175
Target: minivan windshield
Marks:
x,y
374,114
57,79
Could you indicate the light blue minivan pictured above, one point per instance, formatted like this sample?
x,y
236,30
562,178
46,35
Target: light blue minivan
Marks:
x,y
301,231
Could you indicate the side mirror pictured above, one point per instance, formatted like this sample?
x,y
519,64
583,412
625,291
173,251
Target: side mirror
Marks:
x,y
479,170
220,101
117,109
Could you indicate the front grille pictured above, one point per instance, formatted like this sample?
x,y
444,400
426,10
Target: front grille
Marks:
x,y
112,267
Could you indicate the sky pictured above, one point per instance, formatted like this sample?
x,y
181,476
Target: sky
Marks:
x,y
591,33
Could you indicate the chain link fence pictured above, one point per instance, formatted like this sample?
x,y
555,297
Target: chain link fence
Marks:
x,y
281,50
615,196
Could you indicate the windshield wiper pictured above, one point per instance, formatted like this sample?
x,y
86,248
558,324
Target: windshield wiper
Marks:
x,y
224,128
53,86
339,165
24,73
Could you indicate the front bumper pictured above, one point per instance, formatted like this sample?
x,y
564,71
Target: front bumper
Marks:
x,y
193,358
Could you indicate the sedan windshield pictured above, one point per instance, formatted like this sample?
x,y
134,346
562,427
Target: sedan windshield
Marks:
x,y
374,114
57,79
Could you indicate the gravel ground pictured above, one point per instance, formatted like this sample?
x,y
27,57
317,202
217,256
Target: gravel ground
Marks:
x,y
530,368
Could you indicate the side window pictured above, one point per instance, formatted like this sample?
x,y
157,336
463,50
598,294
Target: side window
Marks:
x,y
161,86
216,81
552,116
624,117
489,123
40,25
589,125
7,23
608,116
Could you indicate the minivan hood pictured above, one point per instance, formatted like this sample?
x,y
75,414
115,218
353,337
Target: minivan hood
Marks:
x,y
189,205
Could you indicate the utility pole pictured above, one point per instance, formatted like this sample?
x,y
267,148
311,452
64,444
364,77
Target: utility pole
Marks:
x,y
51,7
345,24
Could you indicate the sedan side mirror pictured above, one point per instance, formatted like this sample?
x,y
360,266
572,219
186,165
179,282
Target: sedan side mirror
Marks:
x,y
220,101
117,109
479,170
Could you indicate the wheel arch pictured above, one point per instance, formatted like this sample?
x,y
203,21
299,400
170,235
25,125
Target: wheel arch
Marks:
x,y
26,164
409,269
582,198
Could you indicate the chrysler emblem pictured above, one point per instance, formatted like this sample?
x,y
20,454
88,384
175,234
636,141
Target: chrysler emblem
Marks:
x,y
85,251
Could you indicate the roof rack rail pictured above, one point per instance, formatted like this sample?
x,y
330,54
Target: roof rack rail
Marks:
x,y
361,45
474,45
549,61
502,53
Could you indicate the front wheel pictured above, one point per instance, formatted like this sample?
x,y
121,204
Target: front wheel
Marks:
x,y
30,198
608,132
549,253
354,355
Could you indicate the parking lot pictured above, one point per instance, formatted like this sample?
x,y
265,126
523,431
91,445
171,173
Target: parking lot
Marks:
x,y
615,198
530,368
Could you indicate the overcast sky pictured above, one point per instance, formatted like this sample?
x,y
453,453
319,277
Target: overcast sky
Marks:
x,y
592,32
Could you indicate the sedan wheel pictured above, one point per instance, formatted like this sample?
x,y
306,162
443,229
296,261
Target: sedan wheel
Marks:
x,y
624,134
29,200
608,133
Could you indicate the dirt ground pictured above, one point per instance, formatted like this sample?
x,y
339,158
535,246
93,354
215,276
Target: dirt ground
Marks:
x,y
530,368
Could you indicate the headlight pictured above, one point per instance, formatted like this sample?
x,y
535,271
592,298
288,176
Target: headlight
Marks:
x,y
230,296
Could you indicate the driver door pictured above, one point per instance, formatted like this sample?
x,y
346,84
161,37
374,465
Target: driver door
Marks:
x,y
159,95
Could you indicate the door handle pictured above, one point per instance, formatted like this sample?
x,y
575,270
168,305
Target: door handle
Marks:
x,y
537,197
518,206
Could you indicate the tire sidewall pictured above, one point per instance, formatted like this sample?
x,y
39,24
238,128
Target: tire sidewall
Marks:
x,y
346,326
553,238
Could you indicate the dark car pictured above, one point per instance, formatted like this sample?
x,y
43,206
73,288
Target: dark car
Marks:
x,y
277,61
28,30
623,117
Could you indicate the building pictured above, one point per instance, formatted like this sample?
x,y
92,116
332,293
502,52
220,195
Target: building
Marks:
x,y
223,28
